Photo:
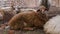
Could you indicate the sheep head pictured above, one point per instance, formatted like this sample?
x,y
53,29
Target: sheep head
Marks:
x,y
42,13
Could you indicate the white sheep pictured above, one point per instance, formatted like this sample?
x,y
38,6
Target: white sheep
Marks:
x,y
53,25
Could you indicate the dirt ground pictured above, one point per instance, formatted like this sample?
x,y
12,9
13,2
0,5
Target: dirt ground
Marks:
x,y
24,32
38,31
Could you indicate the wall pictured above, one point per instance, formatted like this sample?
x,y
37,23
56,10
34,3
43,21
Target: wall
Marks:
x,y
55,3
21,3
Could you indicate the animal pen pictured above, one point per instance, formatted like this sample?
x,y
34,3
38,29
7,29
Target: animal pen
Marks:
x,y
10,10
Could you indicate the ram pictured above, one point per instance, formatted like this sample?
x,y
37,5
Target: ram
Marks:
x,y
29,19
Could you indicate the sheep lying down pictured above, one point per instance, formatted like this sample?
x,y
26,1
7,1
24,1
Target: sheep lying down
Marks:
x,y
53,25
26,19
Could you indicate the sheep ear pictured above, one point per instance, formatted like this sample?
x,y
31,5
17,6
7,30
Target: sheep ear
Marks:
x,y
38,10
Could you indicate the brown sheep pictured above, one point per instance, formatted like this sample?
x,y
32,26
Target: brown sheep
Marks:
x,y
6,15
28,19
1,14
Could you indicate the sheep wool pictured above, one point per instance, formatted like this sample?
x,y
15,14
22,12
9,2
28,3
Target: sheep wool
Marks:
x,y
52,26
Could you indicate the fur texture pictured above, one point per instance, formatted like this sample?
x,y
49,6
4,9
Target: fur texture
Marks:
x,y
53,25
1,14
6,15
28,19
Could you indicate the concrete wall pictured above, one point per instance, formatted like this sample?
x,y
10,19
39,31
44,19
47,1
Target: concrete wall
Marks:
x,y
54,3
21,3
